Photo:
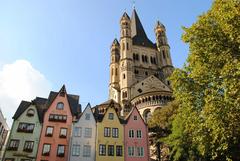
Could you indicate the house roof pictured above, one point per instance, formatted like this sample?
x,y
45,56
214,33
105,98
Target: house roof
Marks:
x,y
139,36
42,104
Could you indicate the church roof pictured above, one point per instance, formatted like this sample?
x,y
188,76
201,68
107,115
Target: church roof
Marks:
x,y
138,34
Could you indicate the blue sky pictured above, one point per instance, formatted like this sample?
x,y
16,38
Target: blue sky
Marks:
x,y
68,41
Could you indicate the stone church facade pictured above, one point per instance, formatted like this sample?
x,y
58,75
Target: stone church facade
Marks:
x,y
139,68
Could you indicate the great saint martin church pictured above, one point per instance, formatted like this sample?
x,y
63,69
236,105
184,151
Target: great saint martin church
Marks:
x,y
140,68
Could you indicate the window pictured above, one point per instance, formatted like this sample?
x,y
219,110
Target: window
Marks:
x,y
110,116
30,112
131,133
25,127
88,133
63,133
130,151
61,151
60,106
143,58
115,132
46,149
116,71
77,131
28,146
87,116
119,151
57,118
75,150
140,151
13,145
134,117
110,150
136,71
107,131
139,134
124,76
127,46
49,131
140,90
146,73
124,94
164,56
102,149
86,151
146,59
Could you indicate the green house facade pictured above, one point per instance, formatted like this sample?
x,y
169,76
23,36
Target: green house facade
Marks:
x,y
25,132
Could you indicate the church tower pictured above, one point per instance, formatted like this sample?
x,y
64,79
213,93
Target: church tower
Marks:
x,y
126,73
164,51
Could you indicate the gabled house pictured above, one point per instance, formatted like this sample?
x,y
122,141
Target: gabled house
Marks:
x,y
83,137
135,137
61,110
110,135
25,132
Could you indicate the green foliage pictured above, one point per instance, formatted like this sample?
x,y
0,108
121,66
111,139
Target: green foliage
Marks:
x,y
207,125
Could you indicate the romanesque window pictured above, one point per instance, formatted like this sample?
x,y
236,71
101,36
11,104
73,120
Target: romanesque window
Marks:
x,y
127,46
124,76
116,73
164,56
61,150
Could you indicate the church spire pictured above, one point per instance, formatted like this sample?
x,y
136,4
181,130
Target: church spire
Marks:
x,y
138,34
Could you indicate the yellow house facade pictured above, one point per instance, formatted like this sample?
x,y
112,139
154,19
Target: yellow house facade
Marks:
x,y
110,136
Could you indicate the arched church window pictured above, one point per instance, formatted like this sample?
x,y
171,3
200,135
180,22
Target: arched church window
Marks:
x,y
116,73
164,56
124,76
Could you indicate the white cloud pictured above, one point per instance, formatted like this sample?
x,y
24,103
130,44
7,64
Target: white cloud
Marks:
x,y
20,81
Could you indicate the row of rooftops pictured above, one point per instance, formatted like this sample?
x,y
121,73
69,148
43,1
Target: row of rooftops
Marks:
x,y
42,104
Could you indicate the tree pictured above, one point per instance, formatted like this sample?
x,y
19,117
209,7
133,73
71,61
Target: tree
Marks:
x,y
207,125
160,126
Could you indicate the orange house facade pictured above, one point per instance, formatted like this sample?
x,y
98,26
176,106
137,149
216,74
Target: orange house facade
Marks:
x,y
57,124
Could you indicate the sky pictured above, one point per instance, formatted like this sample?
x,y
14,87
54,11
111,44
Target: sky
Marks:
x,y
45,44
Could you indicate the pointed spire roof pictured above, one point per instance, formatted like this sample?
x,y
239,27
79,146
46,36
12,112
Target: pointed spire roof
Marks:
x,y
63,90
125,16
138,34
115,42
159,24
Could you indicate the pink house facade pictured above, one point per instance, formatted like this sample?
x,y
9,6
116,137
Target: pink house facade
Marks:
x,y
136,137
57,126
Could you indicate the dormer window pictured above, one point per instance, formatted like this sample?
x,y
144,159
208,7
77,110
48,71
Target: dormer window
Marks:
x,y
135,117
60,106
87,116
110,116
30,112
